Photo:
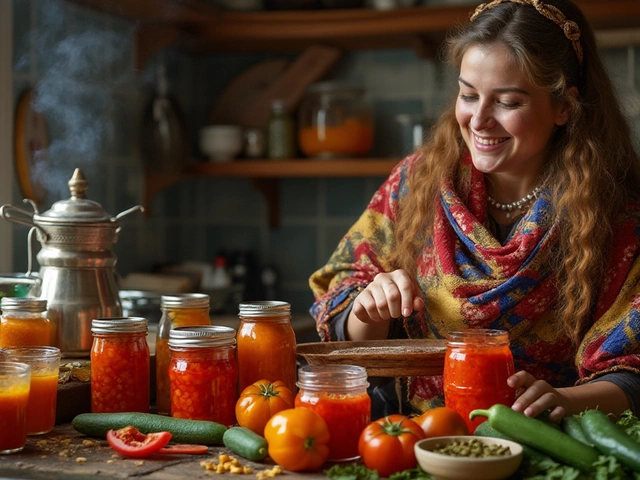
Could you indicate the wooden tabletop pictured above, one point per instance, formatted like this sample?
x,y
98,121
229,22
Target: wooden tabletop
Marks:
x,y
65,454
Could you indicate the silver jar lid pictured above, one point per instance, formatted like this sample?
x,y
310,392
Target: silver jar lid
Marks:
x,y
266,308
202,336
119,325
185,300
23,304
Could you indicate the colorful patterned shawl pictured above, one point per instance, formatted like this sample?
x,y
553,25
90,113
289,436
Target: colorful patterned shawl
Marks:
x,y
470,280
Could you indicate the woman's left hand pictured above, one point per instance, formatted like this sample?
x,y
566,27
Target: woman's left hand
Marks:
x,y
537,397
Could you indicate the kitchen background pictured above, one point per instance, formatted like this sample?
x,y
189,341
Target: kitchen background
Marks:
x,y
82,63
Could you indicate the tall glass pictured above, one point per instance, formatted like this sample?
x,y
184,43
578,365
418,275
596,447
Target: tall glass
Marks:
x,y
477,364
14,396
45,365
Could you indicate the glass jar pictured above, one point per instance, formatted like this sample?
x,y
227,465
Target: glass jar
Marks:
x,y
24,322
335,121
14,397
338,393
476,367
203,373
281,141
266,344
177,311
119,365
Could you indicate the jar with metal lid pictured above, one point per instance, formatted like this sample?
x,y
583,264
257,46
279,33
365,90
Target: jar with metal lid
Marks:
x,y
335,121
178,310
24,323
477,364
203,373
120,365
266,344
338,393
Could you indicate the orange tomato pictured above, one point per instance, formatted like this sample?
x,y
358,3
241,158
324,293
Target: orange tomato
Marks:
x,y
298,439
441,421
261,401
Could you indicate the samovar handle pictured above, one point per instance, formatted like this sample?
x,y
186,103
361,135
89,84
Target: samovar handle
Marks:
x,y
127,212
30,251
17,215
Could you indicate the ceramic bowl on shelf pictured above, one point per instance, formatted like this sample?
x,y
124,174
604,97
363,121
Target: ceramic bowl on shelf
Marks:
x,y
221,143
448,467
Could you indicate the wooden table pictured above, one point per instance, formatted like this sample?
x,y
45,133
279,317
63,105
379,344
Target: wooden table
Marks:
x,y
65,454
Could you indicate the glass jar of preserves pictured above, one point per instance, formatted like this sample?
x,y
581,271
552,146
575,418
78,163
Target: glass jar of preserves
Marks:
x,y
120,365
266,344
338,393
178,310
24,322
281,140
476,367
335,121
203,374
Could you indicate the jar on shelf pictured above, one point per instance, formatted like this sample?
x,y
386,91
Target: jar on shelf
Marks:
x,y
203,373
178,310
266,344
120,365
281,141
24,323
476,367
338,393
335,121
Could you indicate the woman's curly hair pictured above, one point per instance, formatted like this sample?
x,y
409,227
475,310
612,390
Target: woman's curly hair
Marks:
x,y
591,169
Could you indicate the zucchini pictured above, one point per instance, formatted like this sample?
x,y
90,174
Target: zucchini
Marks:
x,y
610,439
486,430
182,430
539,435
246,443
572,426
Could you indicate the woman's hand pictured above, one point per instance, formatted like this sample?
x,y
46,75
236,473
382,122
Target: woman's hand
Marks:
x,y
538,396
390,295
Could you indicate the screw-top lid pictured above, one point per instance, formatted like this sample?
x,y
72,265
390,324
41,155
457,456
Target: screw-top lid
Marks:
x,y
119,325
23,304
267,308
185,300
332,377
202,336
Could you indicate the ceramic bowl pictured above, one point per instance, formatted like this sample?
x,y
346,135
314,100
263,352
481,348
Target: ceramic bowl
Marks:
x,y
447,467
221,143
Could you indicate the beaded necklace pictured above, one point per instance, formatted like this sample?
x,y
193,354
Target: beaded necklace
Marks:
x,y
518,205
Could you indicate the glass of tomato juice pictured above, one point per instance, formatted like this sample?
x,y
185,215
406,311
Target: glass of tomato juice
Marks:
x,y
45,364
476,367
14,394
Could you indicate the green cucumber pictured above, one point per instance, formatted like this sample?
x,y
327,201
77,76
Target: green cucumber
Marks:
x,y
611,439
572,426
537,434
182,430
246,443
486,430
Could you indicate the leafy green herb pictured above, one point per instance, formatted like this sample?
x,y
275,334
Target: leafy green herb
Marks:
x,y
351,471
630,424
608,468
411,474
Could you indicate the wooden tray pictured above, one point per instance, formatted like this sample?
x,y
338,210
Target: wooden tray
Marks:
x,y
381,358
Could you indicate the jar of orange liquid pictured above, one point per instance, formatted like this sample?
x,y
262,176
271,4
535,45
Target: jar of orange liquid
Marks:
x,y
476,367
177,311
120,365
203,373
338,393
24,322
14,396
266,344
45,364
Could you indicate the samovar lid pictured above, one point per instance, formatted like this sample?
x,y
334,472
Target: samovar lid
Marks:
x,y
78,208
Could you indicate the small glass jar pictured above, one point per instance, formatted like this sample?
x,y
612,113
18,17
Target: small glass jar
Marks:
x,y
178,310
338,393
203,374
120,365
14,385
266,344
24,322
281,140
335,121
476,367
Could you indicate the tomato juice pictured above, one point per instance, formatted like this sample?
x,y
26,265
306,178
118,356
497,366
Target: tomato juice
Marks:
x,y
41,408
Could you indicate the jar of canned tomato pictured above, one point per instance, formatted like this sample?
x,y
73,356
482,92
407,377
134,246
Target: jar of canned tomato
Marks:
x,y
177,311
338,393
203,374
476,367
266,344
120,365
24,322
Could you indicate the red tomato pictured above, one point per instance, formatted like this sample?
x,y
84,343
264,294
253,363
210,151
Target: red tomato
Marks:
x,y
128,441
261,401
441,421
386,445
183,448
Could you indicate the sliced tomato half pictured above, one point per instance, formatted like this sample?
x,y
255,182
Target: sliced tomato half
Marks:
x,y
130,442
183,448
